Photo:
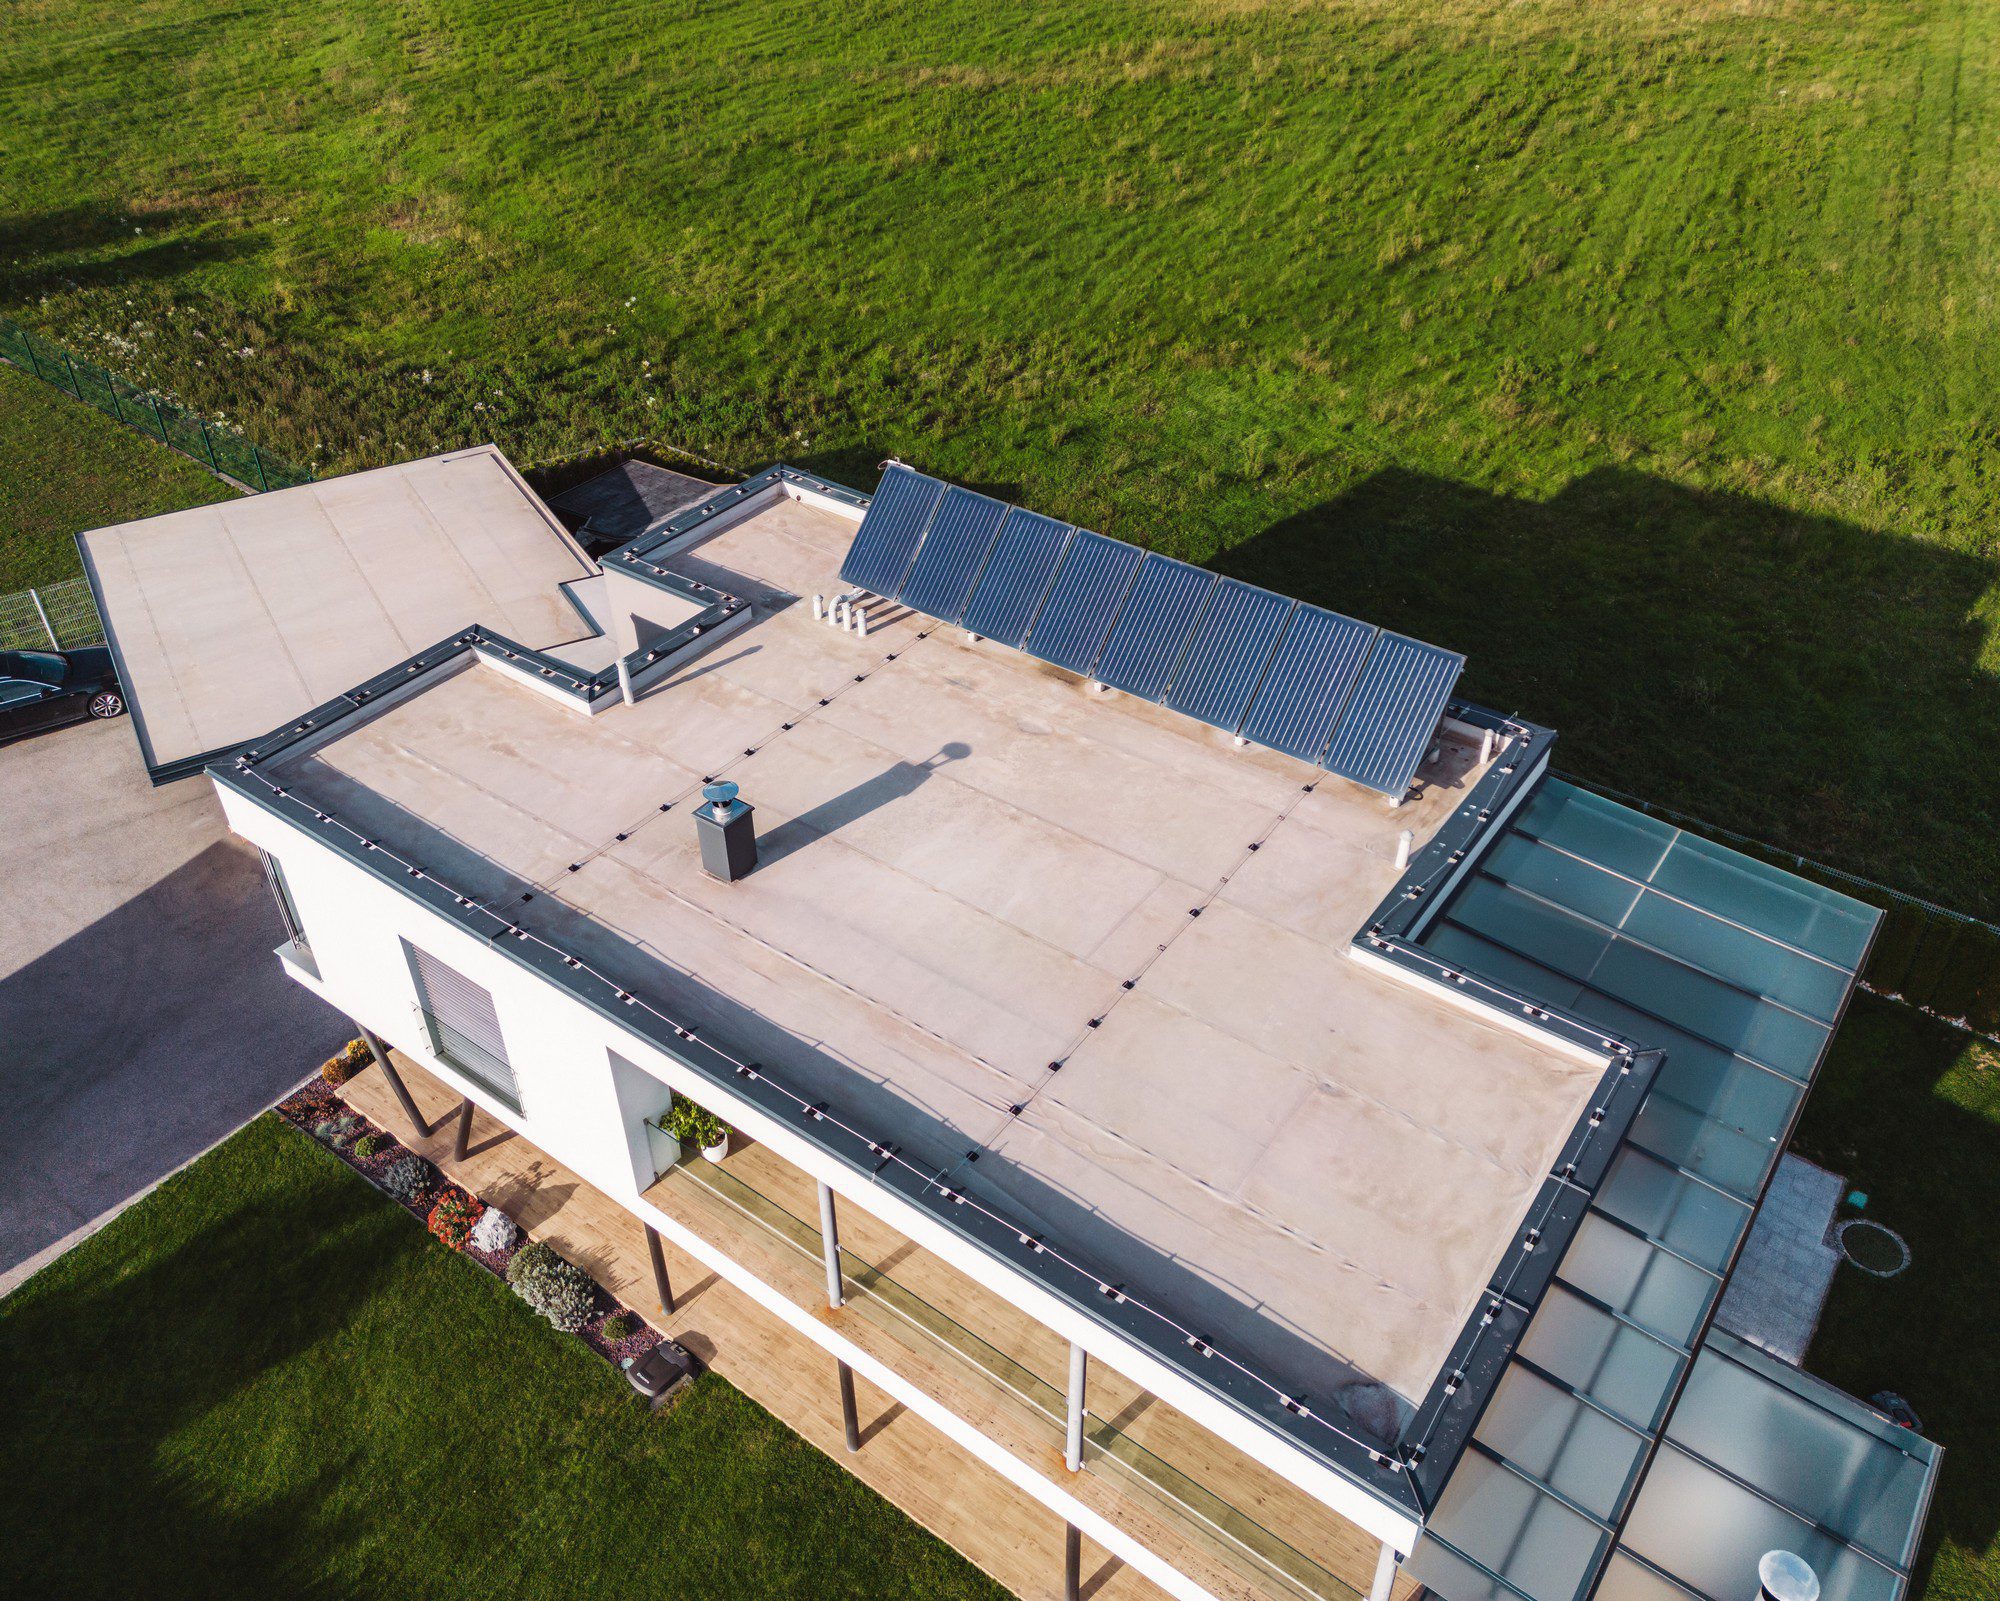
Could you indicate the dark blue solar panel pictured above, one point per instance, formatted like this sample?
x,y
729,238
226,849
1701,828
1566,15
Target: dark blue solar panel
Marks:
x,y
1393,712
1018,569
1225,660
1093,578
887,539
1153,626
1315,667
961,533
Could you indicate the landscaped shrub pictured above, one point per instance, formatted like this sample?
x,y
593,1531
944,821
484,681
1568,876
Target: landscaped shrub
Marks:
x,y
408,1178
618,1326
494,1232
370,1145
559,1290
453,1217
338,1130
346,1062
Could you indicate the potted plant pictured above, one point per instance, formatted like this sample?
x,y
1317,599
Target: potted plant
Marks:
x,y
696,1125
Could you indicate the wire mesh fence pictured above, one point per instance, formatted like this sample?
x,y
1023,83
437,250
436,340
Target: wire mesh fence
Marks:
x,y
53,617
1943,962
221,450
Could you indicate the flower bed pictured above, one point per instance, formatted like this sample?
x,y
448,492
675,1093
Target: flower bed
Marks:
x,y
450,1213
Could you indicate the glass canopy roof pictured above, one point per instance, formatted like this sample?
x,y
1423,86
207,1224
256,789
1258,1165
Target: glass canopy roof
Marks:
x,y
1738,972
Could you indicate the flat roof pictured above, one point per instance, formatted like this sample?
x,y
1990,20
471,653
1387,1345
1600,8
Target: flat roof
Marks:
x,y
228,620
974,868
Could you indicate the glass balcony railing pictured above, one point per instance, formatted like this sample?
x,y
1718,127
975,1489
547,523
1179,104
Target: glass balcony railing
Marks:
x,y
1227,1532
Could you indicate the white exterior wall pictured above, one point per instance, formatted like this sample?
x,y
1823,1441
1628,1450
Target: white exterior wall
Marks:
x,y
571,1107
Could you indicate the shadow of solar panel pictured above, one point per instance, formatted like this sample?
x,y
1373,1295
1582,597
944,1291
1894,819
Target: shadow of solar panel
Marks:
x,y
961,533
1314,670
1226,658
1095,573
1153,626
1392,713
889,532
1018,568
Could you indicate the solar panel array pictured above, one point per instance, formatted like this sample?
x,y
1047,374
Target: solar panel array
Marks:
x,y
1346,695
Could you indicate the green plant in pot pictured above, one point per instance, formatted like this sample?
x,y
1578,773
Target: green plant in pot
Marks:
x,y
697,1125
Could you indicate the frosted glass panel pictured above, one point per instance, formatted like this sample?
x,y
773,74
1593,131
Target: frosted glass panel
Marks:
x,y
1769,899
1562,1442
1526,1536
1614,1364
1658,1292
1690,1217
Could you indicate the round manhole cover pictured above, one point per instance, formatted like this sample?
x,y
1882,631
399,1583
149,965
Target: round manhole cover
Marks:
x,y
1873,1248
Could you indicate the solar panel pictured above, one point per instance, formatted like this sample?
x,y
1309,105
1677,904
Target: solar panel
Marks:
x,y
1153,626
1315,667
887,539
1093,578
962,531
1393,713
1009,592
1226,658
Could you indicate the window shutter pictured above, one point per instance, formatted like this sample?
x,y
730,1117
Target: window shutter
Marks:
x,y
461,1015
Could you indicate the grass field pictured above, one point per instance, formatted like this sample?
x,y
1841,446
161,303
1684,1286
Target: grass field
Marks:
x,y
1646,352
65,468
1909,1111
266,1380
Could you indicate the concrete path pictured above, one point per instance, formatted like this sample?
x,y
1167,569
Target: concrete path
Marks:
x,y
142,1015
1782,1279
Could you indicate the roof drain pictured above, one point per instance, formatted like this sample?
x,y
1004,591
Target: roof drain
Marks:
x,y
728,837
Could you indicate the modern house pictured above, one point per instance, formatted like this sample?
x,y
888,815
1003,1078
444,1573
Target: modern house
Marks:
x,y
1209,1071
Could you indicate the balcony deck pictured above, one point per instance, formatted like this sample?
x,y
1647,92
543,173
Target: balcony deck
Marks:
x,y
1211,1512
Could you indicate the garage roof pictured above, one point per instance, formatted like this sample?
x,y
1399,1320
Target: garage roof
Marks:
x,y
227,620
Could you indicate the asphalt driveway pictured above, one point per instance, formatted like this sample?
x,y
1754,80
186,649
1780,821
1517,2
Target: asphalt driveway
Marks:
x,y
142,1014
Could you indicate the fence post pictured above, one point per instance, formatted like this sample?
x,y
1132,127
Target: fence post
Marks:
x,y
111,383
75,388
34,361
159,422
257,456
43,612
207,444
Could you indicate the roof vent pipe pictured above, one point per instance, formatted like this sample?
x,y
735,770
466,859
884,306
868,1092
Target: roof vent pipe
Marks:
x,y
1486,747
728,837
819,608
625,682
1404,841
1784,1576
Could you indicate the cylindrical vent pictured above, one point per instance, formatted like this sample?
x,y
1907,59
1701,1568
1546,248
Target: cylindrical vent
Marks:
x,y
1785,1576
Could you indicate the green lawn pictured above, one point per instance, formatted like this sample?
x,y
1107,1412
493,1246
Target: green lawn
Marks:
x,y
65,468
265,1380
1909,1111
1645,352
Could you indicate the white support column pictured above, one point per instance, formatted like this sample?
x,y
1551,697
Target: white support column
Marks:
x,y
1079,1361
1386,1564
625,683
829,1240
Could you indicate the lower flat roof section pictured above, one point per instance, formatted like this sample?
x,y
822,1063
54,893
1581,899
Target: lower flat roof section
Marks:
x,y
227,620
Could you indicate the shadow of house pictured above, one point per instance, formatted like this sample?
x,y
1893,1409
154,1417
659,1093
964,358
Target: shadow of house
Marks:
x,y
1827,687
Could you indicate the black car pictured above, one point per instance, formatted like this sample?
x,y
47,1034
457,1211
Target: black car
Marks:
x,y
47,688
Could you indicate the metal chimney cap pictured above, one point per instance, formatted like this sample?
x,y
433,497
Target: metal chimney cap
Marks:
x,y
721,795
1785,1576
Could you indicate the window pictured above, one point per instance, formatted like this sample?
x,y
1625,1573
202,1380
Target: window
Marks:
x,y
463,1026
281,892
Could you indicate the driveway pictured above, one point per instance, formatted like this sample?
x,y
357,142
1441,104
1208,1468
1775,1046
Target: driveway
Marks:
x,y
142,1014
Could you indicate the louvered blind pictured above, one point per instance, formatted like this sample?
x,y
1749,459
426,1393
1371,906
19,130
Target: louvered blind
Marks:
x,y
465,1028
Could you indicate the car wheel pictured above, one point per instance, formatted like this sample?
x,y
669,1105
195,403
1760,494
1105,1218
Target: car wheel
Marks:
x,y
107,703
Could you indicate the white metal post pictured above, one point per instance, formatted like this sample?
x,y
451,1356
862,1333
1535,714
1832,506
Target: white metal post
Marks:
x,y
625,682
829,1239
1079,1361
42,611
1385,1573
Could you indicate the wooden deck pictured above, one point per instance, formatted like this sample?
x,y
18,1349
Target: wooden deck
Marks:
x,y
1228,1523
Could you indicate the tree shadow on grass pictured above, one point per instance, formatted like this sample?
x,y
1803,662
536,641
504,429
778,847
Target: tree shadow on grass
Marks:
x,y
1907,1110
1796,677
90,246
